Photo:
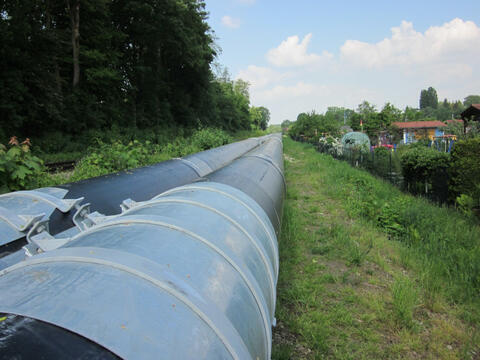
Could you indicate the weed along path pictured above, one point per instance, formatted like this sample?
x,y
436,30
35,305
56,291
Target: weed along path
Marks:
x,y
357,282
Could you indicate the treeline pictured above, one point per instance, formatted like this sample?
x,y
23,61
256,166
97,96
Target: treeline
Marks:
x,y
72,66
369,119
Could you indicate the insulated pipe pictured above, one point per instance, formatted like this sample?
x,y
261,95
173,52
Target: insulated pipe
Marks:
x,y
189,274
259,174
104,193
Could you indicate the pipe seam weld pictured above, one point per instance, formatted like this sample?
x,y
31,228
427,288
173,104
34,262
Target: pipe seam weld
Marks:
x,y
235,223
273,241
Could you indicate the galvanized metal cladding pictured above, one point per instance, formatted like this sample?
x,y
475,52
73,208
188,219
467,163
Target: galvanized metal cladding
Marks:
x,y
189,273
259,174
104,193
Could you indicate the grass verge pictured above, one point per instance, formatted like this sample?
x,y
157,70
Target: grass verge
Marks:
x,y
368,272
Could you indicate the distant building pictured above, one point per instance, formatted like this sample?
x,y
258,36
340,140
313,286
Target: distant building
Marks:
x,y
472,113
416,130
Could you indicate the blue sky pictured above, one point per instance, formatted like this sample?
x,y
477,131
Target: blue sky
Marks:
x,y
307,55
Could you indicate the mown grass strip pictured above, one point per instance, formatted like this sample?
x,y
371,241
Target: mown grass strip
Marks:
x,y
369,272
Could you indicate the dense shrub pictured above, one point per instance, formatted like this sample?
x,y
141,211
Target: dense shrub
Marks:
x,y
209,138
117,156
465,169
18,167
422,166
105,157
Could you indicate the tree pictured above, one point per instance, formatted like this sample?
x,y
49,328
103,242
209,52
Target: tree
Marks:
x,y
259,117
265,117
313,125
367,117
454,128
307,124
72,66
73,8
339,114
255,117
365,108
471,99
390,114
232,104
428,98
411,114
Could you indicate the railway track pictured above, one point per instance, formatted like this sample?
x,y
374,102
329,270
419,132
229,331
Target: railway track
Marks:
x,y
60,166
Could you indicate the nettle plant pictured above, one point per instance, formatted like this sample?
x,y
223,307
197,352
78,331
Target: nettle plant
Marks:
x,y
18,167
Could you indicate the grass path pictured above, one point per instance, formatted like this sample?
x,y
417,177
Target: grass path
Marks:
x,y
347,291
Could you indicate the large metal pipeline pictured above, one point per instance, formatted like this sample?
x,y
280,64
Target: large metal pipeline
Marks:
x,y
259,174
189,274
20,210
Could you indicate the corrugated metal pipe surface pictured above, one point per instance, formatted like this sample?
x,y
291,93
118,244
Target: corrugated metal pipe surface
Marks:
x,y
189,274
20,210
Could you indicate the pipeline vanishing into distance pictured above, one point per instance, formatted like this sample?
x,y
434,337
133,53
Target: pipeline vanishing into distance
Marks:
x,y
20,210
189,272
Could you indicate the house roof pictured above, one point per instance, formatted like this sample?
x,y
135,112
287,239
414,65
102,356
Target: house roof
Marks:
x,y
418,124
472,110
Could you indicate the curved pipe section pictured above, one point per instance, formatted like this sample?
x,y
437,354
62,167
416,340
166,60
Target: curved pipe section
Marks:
x,y
189,274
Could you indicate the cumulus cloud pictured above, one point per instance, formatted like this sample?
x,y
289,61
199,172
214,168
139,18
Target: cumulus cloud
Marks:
x,y
439,44
293,52
394,69
286,92
230,22
259,76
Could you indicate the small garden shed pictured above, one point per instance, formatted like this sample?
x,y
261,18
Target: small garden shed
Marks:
x,y
415,130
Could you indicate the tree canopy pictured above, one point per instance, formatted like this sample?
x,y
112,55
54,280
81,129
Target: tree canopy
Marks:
x,y
366,118
75,65
471,99
428,98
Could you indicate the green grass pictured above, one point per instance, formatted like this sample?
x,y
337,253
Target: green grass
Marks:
x,y
368,272
405,299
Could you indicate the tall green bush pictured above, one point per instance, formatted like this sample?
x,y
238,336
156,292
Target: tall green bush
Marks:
x,y
465,169
422,165
209,138
18,167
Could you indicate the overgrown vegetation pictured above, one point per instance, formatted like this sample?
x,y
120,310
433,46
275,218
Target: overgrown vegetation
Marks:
x,y
19,169
369,272
422,165
465,171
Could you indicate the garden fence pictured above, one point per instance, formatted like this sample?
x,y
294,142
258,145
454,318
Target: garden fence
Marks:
x,y
385,163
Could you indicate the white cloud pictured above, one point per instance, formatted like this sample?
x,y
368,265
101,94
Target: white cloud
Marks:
x,y
287,92
292,52
394,69
230,22
258,76
454,41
